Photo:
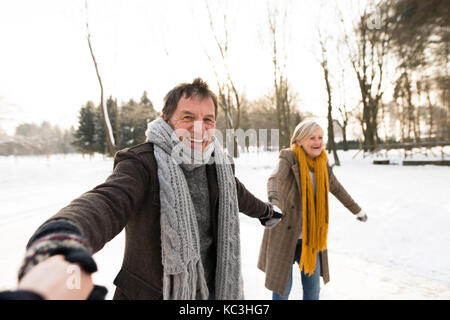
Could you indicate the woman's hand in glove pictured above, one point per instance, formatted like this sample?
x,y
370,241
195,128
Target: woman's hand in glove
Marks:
x,y
362,216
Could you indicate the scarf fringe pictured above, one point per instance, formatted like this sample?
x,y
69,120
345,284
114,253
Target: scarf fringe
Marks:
x,y
183,285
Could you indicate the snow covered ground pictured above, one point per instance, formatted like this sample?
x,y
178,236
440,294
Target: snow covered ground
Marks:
x,y
401,252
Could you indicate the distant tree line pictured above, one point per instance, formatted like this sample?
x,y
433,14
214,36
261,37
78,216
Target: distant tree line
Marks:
x,y
34,139
129,122
420,42
394,54
414,36
401,45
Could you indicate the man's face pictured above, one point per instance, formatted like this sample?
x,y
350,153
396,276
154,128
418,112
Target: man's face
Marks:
x,y
194,121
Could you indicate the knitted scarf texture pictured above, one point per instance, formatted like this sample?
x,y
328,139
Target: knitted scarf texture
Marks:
x,y
184,277
314,208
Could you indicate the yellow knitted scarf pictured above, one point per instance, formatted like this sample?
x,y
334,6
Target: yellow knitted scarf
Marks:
x,y
315,210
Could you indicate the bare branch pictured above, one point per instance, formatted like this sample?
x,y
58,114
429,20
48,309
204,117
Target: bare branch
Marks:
x,y
106,122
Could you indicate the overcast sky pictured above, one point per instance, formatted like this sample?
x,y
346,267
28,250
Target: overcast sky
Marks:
x,y
46,71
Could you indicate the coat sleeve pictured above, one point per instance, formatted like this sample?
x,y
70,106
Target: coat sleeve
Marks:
x,y
248,203
277,188
103,212
341,194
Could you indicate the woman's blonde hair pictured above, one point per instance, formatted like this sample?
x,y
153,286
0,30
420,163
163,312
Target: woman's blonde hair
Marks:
x,y
303,130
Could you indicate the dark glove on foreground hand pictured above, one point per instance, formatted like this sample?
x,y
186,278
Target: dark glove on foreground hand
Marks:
x,y
272,216
60,237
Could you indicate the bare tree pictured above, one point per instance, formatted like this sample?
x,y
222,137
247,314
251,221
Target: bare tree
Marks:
x,y
106,121
420,41
343,112
283,97
326,76
430,110
368,49
229,98
342,106
345,117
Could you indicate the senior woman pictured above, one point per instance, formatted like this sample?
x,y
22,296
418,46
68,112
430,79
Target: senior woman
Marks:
x,y
299,186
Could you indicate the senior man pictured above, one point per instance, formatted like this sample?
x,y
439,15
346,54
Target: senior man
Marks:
x,y
178,199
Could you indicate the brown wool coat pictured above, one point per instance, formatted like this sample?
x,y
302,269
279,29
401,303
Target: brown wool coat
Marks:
x,y
129,199
278,245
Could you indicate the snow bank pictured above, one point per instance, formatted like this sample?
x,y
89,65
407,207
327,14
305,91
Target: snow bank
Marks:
x,y
400,253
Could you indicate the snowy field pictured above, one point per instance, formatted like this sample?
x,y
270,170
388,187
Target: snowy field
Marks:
x,y
401,252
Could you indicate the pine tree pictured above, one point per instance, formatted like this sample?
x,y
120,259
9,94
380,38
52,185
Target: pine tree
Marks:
x,y
133,120
145,101
84,136
99,139
101,144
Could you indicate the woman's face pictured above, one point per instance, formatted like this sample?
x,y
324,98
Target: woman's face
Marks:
x,y
313,145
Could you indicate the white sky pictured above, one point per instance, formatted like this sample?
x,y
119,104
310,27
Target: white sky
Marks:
x,y
46,72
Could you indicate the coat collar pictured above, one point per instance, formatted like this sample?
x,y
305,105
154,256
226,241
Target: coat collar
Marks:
x,y
295,169
289,155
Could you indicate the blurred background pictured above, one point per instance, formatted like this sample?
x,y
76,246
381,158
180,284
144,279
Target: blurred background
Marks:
x,y
372,72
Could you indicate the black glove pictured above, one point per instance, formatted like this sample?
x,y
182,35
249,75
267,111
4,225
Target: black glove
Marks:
x,y
272,216
98,293
79,256
61,237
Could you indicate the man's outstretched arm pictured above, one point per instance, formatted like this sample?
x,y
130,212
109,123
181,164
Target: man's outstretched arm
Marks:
x,y
90,221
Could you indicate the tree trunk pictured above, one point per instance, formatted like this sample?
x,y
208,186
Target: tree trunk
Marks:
x,y
106,122
227,89
331,143
430,108
344,138
116,112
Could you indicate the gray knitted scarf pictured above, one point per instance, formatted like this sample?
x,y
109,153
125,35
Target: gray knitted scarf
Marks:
x,y
180,243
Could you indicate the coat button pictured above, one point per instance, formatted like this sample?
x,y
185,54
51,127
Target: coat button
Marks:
x,y
292,207
289,227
